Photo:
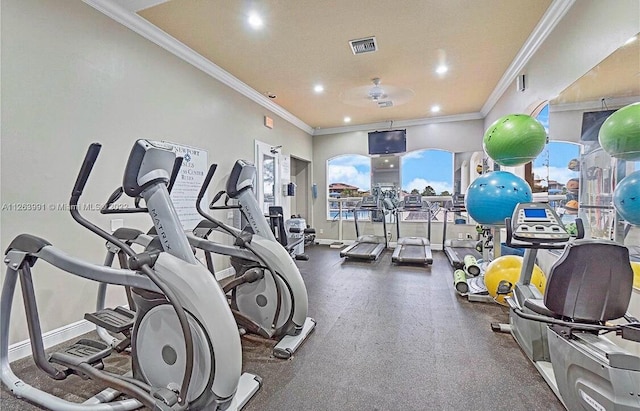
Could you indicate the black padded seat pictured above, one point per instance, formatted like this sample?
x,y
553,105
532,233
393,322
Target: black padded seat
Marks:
x,y
591,282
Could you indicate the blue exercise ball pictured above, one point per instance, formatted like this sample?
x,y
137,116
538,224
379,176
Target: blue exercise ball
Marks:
x,y
492,197
626,198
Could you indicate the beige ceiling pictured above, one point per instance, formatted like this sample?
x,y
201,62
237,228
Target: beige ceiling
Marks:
x,y
305,42
616,76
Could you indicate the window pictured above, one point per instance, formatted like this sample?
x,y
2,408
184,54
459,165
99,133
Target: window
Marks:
x,y
429,173
555,166
556,170
348,176
426,172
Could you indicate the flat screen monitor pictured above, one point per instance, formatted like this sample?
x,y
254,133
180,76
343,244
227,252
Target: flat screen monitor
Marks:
x,y
591,123
388,142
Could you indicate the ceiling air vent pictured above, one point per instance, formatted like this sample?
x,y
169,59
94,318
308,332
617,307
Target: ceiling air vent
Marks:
x,y
383,104
366,45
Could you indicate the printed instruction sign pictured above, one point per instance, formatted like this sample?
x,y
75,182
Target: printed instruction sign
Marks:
x,y
187,186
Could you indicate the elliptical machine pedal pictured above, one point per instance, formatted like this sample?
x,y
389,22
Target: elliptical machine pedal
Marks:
x,y
116,320
82,352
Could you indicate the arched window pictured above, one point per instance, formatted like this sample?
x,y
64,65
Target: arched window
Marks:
x,y
555,167
429,173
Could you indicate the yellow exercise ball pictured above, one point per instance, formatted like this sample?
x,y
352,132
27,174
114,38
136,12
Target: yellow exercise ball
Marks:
x,y
636,274
506,270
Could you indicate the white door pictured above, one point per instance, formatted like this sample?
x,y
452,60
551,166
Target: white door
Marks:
x,y
267,176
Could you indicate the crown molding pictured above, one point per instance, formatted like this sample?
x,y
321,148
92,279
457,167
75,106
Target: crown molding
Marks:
x,y
137,5
549,21
399,123
124,12
131,20
610,103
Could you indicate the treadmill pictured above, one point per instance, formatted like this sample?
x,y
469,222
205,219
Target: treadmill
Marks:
x,y
367,247
456,250
412,250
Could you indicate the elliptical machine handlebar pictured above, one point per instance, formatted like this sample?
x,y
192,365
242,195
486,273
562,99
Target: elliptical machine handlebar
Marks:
x,y
203,190
87,166
115,196
216,198
83,175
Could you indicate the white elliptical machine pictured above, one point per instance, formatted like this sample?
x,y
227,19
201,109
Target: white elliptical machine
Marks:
x,y
267,293
192,362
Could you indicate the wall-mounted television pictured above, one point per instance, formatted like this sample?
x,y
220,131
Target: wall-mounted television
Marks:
x,y
591,123
387,142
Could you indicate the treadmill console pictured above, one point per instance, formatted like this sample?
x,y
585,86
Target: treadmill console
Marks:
x,y
537,223
369,202
412,201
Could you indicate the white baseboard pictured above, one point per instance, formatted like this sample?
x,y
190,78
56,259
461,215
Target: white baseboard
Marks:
x,y
22,349
227,272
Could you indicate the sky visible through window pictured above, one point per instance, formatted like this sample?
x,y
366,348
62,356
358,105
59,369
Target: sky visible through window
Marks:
x,y
420,169
558,155
352,169
424,168
428,167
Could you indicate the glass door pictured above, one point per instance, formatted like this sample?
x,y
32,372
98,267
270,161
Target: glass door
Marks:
x,y
267,176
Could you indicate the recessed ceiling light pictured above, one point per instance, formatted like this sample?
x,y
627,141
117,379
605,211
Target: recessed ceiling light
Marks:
x,y
441,69
391,166
435,109
631,40
386,160
318,88
347,119
255,20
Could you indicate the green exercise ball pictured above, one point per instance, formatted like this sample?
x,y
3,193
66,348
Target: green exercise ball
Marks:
x,y
514,139
620,133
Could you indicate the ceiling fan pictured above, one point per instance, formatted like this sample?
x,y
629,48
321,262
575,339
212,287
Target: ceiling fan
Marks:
x,y
377,96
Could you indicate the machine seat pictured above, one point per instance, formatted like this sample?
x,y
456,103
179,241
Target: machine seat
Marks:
x,y
591,282
537,306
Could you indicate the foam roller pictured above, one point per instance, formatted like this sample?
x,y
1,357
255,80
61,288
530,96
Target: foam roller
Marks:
x,y
471,266
460,281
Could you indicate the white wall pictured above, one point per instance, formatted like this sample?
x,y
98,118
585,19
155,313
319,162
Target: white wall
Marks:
x,y
589,32
453,136
72,76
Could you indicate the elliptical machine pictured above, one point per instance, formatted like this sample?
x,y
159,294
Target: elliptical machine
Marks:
x,y
169,287
561,332
268,294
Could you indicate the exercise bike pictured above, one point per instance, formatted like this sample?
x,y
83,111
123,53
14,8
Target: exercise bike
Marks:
x,y
192,362
562,331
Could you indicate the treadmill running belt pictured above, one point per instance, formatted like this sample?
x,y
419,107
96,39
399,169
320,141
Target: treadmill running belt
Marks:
x,y
364,250
412,253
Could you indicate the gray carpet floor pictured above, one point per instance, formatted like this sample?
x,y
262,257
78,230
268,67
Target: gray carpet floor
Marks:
x,y
388,337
